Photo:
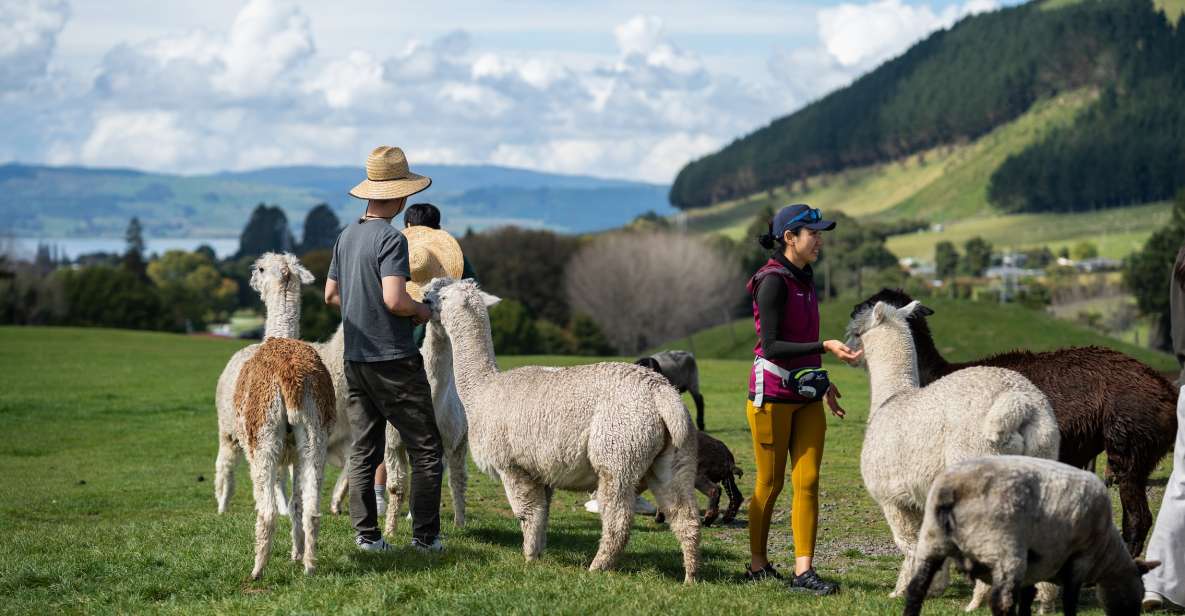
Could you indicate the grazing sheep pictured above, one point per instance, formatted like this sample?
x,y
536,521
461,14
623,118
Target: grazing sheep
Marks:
x,y
450,420
1103,400
1013,521
283,412
681,370
914,432
612,426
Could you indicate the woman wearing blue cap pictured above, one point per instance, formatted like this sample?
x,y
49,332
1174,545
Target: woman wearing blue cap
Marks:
x,y
786,391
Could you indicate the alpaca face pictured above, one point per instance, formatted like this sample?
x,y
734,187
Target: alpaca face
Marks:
x,y
870,323
447,296
275,273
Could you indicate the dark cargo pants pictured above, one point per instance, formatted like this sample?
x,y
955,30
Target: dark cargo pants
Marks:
x,y
394,391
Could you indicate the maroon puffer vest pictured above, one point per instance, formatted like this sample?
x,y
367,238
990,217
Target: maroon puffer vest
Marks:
x,y
800,323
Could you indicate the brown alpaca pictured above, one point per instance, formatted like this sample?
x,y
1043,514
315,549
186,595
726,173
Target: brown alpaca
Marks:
x,y
284,411
1103,400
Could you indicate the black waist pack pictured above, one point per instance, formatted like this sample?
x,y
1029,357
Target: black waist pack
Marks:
x,y
810,383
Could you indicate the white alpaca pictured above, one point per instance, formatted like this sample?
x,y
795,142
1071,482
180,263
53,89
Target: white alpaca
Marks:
x,y
612,426
914,433
283,410
332,353
450,421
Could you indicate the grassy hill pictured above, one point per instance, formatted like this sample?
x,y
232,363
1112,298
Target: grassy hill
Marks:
x,y
949,185
963,331
107,505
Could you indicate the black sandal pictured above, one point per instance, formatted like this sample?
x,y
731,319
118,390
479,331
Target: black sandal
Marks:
x,y
765,573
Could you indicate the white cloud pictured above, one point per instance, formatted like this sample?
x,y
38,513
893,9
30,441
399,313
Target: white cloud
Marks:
x,y
268,38
348,81
864,35
28,32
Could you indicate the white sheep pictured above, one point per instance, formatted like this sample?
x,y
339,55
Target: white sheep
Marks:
x,y
283,410
1013,521
450,421
914,433
612,426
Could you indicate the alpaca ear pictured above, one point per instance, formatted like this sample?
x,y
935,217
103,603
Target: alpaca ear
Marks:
x,y
880,312
915,307
489,300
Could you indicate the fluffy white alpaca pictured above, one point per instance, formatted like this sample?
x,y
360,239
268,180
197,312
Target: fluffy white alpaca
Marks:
x,y
914,433
450,421
283,410
612,426
282,309
332,353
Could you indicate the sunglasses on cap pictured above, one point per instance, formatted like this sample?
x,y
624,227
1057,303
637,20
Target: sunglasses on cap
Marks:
x,y
810,215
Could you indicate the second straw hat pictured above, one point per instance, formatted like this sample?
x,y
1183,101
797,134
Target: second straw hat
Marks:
x,y
431,253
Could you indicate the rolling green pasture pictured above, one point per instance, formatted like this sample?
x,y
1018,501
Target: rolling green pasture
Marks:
x,y
106,505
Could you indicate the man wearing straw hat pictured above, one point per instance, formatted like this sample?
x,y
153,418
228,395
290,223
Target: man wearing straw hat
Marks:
x,y
368,279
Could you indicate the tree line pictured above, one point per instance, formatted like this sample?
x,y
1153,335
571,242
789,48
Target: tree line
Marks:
x,y
957,85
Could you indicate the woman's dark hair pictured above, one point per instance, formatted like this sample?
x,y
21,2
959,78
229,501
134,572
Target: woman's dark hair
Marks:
x,y
768,240
422,215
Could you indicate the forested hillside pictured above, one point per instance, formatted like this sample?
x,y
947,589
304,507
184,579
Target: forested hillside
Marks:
x,y
987,70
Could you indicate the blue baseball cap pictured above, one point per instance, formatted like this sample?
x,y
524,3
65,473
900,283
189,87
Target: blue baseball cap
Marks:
x,y
798,215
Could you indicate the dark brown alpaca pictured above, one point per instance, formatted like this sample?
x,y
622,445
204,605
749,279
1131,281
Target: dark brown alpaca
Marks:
x,y
1104,401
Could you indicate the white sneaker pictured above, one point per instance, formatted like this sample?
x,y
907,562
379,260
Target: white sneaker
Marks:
x,y
1152,601
380,499
641,506
373,546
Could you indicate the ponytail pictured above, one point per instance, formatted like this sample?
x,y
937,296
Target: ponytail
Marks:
x,y
767,239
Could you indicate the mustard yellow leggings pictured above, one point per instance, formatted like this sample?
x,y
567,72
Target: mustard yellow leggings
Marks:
x,y
779,429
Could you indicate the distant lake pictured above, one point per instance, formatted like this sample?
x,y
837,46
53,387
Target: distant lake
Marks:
x,y
72,247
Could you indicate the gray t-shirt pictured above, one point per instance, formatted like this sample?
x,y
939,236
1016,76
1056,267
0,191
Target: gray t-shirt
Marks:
x,y
365,253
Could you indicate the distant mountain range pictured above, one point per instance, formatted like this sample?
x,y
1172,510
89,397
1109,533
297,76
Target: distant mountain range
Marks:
x,y
43,201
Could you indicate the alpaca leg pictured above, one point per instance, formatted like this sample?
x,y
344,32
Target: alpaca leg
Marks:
x,y
311,465
905,524
1133,495
458,481
263,475
712,491
735,498
699,409
1047,598
340,489
529,500
671,481
615,495
1006,586
398,481
979,595
1027,594
224,470
296,509
283,477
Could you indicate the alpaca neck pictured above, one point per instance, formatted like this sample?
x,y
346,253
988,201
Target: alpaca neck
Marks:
x,y
283,315
473,351
931,364
892,365
438,362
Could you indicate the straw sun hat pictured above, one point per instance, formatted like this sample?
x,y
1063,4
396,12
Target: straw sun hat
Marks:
x,y
387,176
431,253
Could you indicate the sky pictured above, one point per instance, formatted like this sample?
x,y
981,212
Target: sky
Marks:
x,y
629,90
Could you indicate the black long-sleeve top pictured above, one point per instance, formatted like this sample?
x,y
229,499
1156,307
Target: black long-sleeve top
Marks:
x,y
771,297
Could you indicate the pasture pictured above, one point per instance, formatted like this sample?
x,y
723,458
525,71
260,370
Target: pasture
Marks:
x,y
106,506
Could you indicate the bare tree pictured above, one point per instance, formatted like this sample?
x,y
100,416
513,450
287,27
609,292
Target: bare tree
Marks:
x,y
643,289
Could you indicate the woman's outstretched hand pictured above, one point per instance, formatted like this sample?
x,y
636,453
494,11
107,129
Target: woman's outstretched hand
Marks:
x,y
832,402
841,351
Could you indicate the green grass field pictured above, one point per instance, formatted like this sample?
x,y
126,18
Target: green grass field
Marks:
x,y
106,501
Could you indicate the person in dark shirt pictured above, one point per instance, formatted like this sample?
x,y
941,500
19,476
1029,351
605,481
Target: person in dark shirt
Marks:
x,y
428,215
367,279
783,421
